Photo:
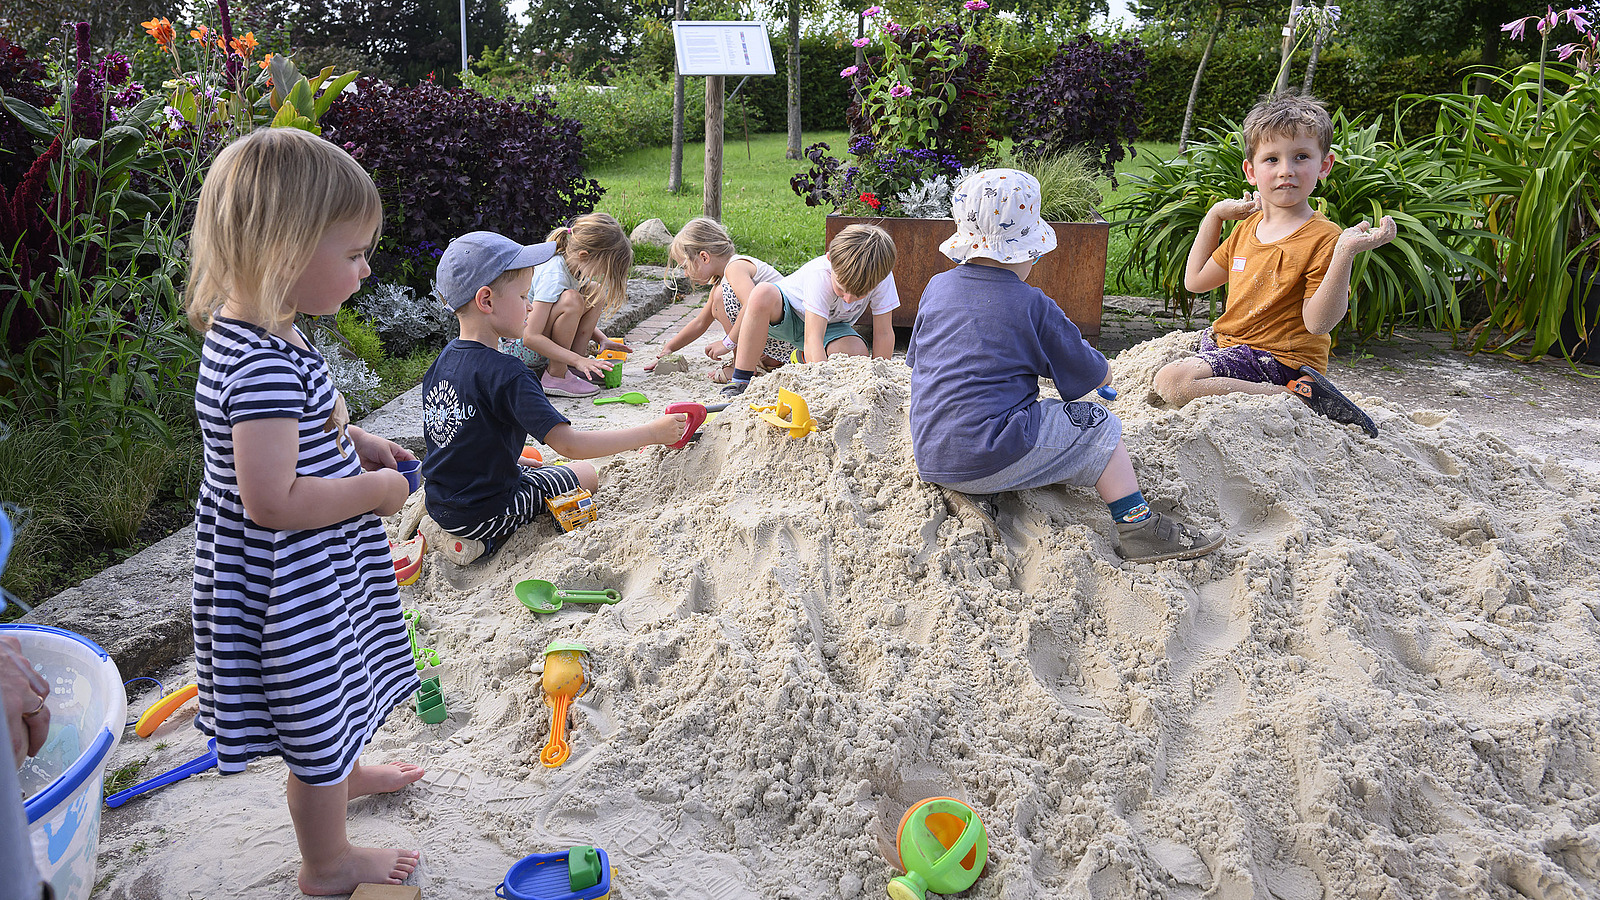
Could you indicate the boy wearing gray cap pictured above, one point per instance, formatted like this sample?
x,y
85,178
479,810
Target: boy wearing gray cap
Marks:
x,y
479,406
982,339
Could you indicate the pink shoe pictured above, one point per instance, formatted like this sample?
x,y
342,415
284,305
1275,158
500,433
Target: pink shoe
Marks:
x,y
568,385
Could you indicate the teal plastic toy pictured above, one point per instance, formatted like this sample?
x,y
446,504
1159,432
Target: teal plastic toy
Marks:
x,y
943,847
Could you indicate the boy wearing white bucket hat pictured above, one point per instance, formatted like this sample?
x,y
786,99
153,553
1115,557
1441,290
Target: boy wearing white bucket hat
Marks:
x,y
982,340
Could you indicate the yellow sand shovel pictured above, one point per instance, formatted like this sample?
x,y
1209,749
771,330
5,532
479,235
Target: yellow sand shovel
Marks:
x,y
799,421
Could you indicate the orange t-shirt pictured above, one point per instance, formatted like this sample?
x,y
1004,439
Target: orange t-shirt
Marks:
x,y
1268,286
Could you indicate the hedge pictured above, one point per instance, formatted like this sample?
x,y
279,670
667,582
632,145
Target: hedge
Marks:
x,y
1235,77
1344,79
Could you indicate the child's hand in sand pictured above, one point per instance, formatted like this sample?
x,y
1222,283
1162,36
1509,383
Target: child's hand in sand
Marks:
x,y
1242,208
614,344
1362,236
716,349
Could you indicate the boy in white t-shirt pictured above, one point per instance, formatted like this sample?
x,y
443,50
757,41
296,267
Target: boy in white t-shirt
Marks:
x,y
816,307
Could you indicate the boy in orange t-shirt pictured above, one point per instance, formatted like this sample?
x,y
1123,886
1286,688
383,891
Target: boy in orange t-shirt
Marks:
x,y
1287,268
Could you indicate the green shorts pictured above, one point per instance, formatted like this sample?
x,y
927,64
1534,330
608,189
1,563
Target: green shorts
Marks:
x,y
791,329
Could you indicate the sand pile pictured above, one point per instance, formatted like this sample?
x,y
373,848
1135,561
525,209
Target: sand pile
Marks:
x,y
1382,686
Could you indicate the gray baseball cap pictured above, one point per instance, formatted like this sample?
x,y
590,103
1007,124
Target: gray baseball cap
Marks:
x,y
475,259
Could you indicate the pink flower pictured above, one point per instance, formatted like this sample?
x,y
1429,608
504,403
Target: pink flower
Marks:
x,y
848,71
1577,17
860,42
974,5
899,90
892,28
871,11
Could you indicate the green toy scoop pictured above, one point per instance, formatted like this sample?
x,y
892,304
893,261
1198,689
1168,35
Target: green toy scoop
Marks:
x,y
632,397
545,597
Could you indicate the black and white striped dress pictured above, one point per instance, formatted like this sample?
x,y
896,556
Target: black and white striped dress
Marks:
x,y
298,639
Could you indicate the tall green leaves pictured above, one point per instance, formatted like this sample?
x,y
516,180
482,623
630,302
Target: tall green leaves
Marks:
x,y
1412,279
1539,202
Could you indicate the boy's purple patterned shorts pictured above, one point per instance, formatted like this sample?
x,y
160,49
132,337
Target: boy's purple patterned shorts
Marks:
x,y
1243,362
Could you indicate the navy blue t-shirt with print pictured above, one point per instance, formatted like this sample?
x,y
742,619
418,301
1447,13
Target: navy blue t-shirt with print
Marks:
x,y
478,407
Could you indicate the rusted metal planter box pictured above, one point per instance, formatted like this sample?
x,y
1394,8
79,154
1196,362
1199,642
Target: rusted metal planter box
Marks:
x,y
1073,274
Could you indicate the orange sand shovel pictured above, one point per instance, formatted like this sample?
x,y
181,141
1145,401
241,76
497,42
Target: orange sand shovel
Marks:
x,y
563,682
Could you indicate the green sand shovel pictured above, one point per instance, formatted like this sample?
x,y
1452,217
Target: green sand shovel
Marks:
x,y
632,397
545,597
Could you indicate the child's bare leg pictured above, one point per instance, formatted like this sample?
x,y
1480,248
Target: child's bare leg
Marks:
x,y
587,323
329,864
850,344
381,779
587,478
1117,480
764,310
563,327
1186,379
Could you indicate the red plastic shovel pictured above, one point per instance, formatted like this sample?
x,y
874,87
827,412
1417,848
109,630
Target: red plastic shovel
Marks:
x,y
697,413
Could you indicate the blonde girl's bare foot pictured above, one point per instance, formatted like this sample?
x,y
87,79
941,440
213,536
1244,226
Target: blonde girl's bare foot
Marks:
x,y
359,865
382,779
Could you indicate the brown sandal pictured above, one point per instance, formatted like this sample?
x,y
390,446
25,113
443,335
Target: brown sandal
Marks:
x,y
721,374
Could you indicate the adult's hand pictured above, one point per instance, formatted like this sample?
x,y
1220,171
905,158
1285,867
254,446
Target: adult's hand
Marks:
x,y
23,691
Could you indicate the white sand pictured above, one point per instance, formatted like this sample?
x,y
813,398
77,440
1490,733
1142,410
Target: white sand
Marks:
x,y
1381,686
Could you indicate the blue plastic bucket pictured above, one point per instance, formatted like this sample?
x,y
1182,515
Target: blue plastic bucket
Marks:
x,y
62,785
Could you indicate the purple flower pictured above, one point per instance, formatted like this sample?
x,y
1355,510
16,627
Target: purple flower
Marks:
x,y
899,90
892,28
974,5
860,42
1576,16
871,11
847,71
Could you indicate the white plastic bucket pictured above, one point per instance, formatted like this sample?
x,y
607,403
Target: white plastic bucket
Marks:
x,y
62,784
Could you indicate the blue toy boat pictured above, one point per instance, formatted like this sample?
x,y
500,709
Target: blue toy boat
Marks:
x,y
582,873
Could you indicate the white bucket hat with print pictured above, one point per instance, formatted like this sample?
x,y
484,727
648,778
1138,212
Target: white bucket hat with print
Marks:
x,y
997,217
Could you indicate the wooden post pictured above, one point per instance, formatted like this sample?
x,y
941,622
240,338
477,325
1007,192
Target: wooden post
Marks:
x,y
675,175
712,206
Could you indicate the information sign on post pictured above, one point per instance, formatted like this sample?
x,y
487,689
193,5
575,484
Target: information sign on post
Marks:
x,y
716,50
722,48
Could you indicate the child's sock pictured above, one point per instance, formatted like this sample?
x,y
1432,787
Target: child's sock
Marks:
x,y
1131,508
743,375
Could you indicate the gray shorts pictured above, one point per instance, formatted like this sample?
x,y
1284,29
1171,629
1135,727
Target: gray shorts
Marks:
x,y
1074,445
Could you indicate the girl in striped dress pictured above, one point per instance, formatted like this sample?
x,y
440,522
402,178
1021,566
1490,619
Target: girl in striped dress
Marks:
x,y
300,648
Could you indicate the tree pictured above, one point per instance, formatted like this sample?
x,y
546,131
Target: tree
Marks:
x,y
411,39
1395,28
32,23
1180,13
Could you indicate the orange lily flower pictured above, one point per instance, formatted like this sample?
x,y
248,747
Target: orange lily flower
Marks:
x,y
246,45
268,60
200,34
161,30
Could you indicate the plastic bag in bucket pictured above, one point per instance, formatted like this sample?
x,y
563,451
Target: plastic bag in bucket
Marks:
x,y
62,785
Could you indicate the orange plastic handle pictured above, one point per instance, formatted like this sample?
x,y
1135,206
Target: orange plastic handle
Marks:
x,y
556,750
166,706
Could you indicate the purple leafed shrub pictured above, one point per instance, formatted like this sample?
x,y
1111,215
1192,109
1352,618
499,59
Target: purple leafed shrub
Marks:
x,y
450,160
22,77
1083,99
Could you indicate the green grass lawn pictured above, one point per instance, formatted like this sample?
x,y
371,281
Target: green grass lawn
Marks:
x,y
761,212
759,209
